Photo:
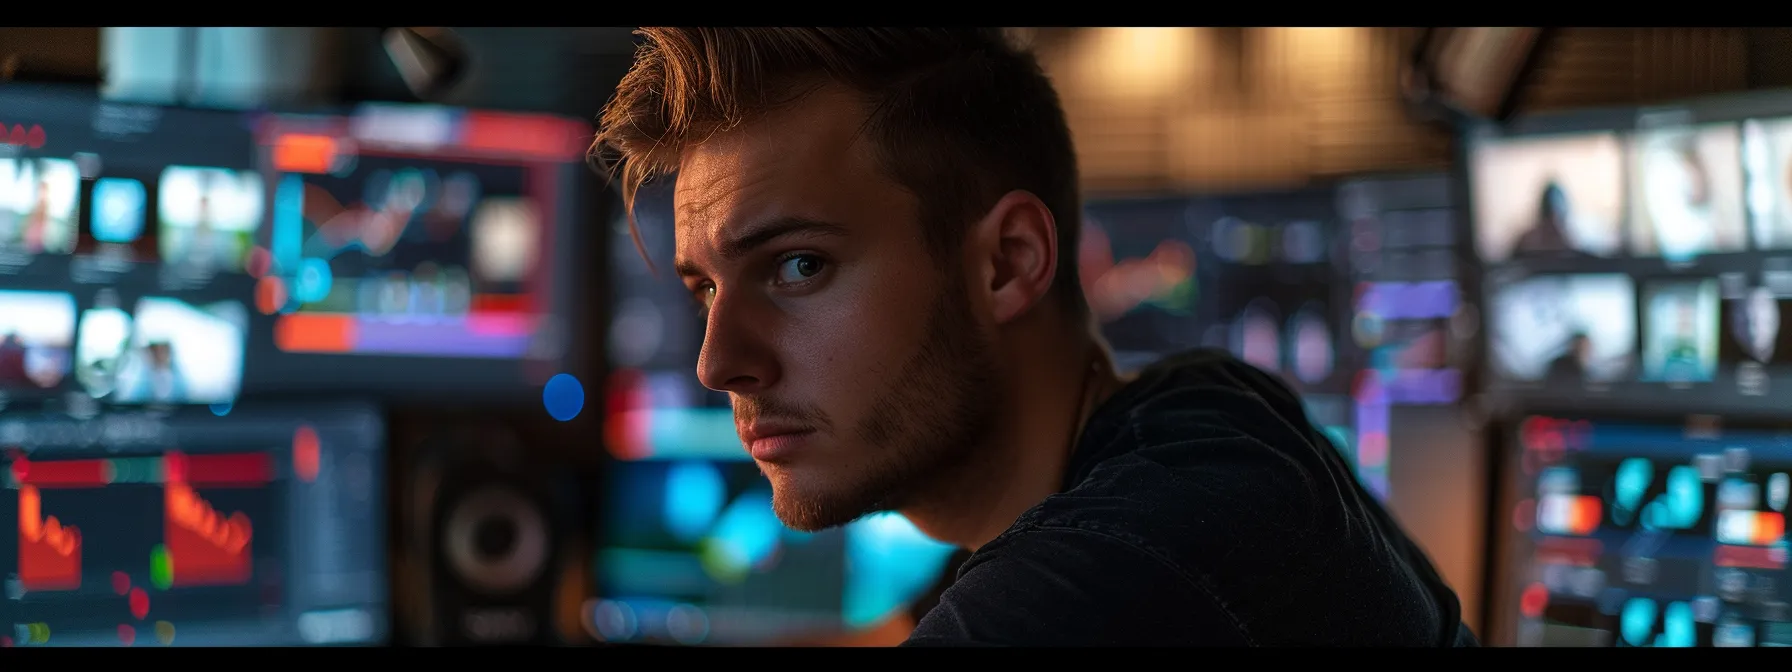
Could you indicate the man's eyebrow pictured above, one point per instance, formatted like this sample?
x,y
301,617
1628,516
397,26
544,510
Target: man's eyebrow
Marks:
x,y
757,235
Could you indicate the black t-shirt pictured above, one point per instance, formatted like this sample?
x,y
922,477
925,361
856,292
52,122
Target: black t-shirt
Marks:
x,y
1201,508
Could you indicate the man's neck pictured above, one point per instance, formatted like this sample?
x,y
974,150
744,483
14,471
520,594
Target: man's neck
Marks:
x,y
1029,445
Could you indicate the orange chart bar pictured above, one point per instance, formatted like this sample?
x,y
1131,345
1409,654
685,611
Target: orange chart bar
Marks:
x,y
49,553
205,547
315,333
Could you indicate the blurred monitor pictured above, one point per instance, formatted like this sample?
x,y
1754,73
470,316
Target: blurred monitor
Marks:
x,y
1139,271
124,231
161,350
1560,196
693,555
1563,328
1751,345
206,218
1767,161
1634,534
414,248
263,528
1686,192
37,339
1680,331
41,200
1279,287
691,552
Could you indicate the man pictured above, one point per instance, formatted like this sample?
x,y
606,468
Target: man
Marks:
x,y
880,225
37,222
12,360
1548,234
1571,365
1757,324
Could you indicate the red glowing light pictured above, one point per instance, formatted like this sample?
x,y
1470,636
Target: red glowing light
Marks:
x,y
18,136
139,603
121,583
1535,599
34,138
127,635
306,457
259,261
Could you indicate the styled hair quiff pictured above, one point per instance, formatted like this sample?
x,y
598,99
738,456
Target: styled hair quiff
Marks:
x,y
958,116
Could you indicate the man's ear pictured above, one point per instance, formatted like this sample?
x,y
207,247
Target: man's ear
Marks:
x,y
1018,245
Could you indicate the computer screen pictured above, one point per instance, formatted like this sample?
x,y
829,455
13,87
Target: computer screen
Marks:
x,y
1558,196
1408,311
123,235
261,528
691,552
1141,275
1280,294
1632,259
1628,533
1767,163
413,248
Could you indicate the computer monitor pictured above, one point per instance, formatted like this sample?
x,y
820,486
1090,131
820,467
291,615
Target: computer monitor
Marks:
x,y
1403,233
1281,287
413,251
1631,257
1141,275
1624,532
123,235
261,528
691,552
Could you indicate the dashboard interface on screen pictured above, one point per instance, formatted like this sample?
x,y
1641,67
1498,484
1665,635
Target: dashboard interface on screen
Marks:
x,y
262,528
691,551
423,244
1639,263
1631,534
124,236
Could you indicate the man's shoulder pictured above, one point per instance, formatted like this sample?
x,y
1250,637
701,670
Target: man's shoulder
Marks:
x,y
1040,585
1209,468
1199,439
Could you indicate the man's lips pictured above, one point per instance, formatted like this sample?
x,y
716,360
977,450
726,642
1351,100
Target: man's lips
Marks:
x,y
771,442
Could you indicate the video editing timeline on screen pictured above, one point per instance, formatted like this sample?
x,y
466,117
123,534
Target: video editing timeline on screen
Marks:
x,y
1638,258
1647,535
122,231
257,529
410,235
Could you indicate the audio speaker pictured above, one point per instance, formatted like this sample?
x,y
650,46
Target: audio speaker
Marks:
x,y
492,543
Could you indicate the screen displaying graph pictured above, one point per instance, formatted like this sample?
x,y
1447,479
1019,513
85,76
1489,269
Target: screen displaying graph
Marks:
x,y
224,541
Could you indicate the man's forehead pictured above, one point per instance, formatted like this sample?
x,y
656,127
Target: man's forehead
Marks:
x,y
785,153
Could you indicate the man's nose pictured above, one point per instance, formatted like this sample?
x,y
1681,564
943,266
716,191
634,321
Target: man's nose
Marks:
x,y
737,355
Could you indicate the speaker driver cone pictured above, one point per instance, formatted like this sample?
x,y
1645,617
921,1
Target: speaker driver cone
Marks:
x,y
497,541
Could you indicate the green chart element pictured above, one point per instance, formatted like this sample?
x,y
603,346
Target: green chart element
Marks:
x,y
161,567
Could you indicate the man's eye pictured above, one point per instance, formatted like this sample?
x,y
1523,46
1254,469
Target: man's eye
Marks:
x,y
705,296
799,268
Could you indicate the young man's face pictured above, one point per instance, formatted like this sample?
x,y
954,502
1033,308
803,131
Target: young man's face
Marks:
x,y
856,366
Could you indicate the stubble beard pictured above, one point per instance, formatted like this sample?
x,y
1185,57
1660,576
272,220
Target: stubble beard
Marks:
x,y
927,425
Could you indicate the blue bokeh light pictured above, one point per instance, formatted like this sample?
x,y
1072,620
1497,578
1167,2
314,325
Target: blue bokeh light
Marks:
x,y
564,397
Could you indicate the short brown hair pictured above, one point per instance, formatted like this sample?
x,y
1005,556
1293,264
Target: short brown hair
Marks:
x,y
960,115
